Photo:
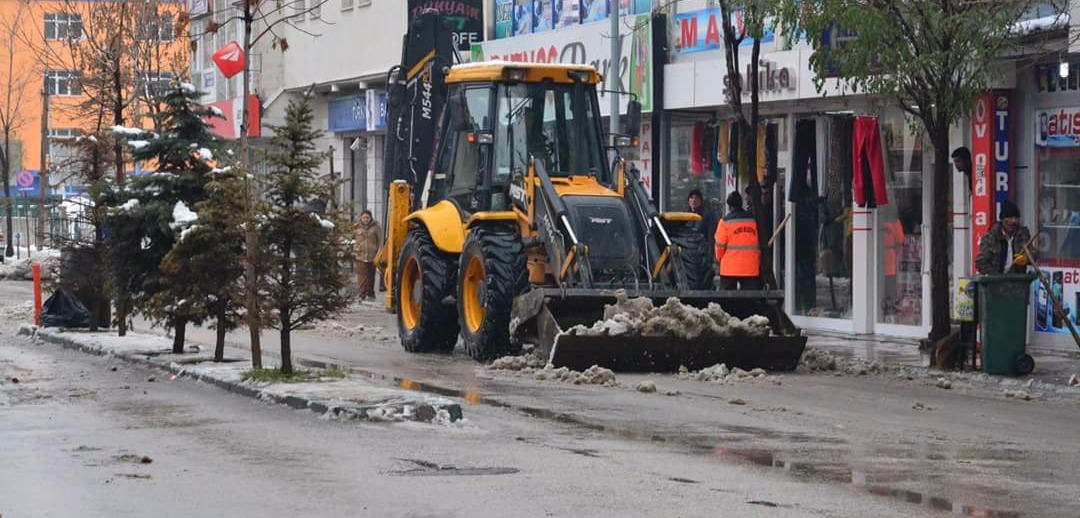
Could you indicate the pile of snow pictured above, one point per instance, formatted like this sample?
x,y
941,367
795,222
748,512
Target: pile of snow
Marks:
x,y
638,317
518,363
720,373
23,269
20,311
182,215
814,359
594,375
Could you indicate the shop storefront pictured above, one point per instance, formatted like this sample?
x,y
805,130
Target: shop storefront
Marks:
x,y
848,262
359,122
1049,191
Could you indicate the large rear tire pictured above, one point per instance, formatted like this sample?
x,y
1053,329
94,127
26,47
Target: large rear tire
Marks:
x,y
492,271
694,260
425,277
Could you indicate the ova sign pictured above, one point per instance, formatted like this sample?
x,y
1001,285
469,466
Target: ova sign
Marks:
x,y
991,161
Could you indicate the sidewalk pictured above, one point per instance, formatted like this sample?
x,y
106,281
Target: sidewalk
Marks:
x,y
1053,366
331,393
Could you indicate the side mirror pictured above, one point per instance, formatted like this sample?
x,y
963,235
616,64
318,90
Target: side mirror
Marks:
x,y
632,126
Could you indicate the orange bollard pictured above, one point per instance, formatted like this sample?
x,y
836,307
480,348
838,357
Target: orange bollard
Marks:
x,y
37,294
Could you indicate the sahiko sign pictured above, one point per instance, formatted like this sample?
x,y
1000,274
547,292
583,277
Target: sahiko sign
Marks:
x,y
991,154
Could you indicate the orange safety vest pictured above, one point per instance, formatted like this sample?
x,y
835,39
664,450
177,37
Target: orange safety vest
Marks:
x,y
737,245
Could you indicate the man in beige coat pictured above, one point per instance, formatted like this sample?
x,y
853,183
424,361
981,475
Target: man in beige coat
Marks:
x,y
368,239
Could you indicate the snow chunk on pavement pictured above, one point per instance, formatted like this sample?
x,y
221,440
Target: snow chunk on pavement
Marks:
x,y
814,359
638,317
517,363
595,375
720,373
182,215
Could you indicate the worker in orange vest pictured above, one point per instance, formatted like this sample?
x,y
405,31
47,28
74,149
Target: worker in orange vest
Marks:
x,y
737,247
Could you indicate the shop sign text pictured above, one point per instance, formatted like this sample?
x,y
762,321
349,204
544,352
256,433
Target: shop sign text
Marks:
x,y
771,79
1057,127
991,152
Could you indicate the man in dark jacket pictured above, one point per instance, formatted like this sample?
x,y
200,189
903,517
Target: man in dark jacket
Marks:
x,y
1001,249
709,220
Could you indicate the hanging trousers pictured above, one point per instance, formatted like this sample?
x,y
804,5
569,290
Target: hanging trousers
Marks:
x,y
869,165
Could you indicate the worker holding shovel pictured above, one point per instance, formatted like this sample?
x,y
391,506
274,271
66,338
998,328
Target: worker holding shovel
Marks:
x,y
1002,248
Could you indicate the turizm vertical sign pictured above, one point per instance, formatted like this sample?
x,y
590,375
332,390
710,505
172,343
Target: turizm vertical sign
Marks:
x,y
991,154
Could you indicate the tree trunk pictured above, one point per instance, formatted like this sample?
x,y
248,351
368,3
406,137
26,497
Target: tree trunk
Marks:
x,y
939,228
286,347
122,304
219,345
178,337
251,237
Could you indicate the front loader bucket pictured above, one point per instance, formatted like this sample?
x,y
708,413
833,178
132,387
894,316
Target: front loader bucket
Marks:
x,y
544,315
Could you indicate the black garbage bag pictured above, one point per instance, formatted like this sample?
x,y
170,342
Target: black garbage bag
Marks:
x,y
64,310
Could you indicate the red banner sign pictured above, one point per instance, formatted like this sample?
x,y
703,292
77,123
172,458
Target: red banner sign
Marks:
x,y
991,157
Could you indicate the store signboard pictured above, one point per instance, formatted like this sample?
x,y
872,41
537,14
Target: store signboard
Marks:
x,y
1057,128
466,18
348,114
584,45
699,31
991,155
376,110
1065,286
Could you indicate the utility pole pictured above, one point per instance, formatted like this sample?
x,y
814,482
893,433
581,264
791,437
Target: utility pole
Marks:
x,y
43,175
613,65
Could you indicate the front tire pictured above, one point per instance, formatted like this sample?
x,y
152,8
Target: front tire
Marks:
x,y
425,277
492,271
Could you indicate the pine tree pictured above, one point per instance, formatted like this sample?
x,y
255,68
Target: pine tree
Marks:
x,y
208,255
154,209
304,250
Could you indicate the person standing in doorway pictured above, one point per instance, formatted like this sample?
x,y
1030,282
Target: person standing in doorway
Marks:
x,y
368,237
961,159
707,225
737,248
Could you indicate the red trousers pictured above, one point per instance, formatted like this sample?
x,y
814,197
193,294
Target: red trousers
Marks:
x,y
868,164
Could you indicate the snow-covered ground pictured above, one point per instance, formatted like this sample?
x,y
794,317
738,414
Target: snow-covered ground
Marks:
x,y
22,269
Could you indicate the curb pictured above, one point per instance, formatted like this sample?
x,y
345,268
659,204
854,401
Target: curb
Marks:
x,y
422,412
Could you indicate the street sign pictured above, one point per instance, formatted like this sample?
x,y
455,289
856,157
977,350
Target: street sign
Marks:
x,y
230,59
25,180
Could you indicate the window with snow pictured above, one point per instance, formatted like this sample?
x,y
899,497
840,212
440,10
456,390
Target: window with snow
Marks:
x,y
63,26
63,82
63,154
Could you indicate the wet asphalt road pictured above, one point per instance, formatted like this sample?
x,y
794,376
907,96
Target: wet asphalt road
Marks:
x,y
812,445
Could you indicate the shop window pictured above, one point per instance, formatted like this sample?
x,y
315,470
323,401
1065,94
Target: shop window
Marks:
x,y
820,187
899,227
1059,206
692,141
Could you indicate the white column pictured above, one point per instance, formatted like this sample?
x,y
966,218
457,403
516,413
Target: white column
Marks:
x,y
864,270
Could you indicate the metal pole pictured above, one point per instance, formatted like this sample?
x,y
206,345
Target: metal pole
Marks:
x,y
333,184
43,174
613,65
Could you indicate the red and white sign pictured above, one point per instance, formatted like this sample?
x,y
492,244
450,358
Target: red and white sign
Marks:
x,y
228,126
991,161
230,59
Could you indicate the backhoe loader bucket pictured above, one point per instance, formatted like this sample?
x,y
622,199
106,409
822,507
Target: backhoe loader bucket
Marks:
x,y
545,316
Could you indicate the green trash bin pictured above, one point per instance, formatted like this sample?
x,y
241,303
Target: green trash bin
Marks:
x,y
1003,310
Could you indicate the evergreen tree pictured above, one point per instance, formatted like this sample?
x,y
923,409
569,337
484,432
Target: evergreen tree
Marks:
x,y
208,255
304,248
154,209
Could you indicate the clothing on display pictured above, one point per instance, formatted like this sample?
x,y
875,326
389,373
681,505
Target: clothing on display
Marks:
x,y
697,150
869,164
804,182
723,142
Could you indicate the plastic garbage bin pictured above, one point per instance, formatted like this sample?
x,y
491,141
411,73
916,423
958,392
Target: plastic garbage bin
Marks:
x,y
1002,307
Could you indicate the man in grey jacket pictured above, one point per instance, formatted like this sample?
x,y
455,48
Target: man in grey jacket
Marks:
x,y
1001,249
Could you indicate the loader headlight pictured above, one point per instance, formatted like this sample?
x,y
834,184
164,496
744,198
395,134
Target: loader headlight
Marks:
x,y
514,74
